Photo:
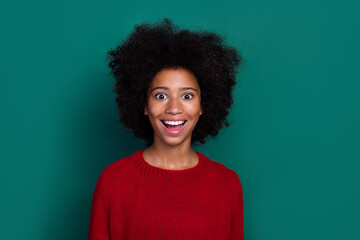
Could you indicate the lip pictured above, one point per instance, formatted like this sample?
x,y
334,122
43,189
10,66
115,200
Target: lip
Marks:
x,y
174,132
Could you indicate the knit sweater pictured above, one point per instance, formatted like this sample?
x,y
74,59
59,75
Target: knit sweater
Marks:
x,y
134,200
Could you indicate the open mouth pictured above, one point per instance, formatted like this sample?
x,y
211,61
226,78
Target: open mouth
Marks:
x,y
174,125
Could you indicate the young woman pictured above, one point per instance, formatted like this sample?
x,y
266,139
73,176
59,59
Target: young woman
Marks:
x,y
173,89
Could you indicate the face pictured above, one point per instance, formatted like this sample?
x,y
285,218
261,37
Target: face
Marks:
x,y
173,106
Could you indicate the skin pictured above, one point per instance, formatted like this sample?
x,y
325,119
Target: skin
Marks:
x,y
173,94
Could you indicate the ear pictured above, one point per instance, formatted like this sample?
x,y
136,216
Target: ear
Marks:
x,y
201,111
146,111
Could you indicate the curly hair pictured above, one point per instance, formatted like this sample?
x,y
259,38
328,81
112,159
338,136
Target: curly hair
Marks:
x,y
151,48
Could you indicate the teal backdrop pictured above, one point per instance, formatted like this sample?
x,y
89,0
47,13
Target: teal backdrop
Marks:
x,y
294,139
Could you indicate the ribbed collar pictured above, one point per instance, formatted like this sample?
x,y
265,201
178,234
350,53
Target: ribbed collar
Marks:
x,y
170,175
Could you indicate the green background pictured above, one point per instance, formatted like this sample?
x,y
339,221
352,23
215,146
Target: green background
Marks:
x,y
294,138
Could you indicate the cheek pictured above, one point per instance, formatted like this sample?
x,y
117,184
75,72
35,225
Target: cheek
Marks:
x,y
155,110
195,109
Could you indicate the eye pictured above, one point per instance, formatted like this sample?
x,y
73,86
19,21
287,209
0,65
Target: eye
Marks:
x,y
188,96
160,96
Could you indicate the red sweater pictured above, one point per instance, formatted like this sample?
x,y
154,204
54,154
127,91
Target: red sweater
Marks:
x,y
135,200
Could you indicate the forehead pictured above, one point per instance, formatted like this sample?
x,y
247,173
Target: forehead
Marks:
x,y
174,78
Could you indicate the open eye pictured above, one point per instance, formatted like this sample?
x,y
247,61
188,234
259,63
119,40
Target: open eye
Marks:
x,y
160,96
188,96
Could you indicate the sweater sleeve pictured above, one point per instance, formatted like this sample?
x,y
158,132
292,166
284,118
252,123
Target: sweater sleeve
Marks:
x,y
99,216
237,215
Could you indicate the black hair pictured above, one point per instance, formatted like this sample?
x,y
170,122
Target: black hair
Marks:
x,y
153,47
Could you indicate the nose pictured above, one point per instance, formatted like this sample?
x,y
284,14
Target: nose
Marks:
x,y
174,106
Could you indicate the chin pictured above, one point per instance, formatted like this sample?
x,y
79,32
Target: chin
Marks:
x,y
173,141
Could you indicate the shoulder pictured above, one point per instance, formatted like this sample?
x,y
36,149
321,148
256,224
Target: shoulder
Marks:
x,y
120,167
221,170
227,178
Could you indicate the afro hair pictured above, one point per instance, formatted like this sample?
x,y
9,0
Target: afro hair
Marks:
x,y
151,48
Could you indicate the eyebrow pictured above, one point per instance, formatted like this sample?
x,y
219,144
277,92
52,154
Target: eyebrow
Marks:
x,y
166,88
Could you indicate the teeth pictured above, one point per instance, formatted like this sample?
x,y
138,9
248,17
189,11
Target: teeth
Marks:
x,y
174,123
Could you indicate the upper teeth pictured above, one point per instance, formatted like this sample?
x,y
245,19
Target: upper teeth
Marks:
x,y
174,122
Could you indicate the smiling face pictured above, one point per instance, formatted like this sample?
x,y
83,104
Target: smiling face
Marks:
x,y
173,106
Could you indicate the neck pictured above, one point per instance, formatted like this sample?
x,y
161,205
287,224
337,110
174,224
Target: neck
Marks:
x,y
177,157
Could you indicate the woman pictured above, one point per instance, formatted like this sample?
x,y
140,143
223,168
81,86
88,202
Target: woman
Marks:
x,y
173,89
